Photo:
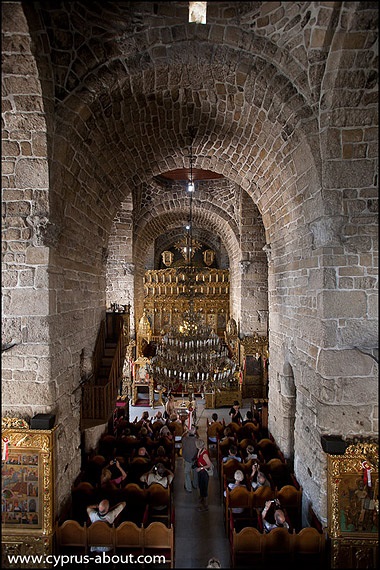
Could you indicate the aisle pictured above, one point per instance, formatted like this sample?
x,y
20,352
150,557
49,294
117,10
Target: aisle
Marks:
x,y
199,536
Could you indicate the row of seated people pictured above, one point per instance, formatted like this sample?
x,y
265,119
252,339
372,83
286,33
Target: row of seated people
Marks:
x,y
264,512
150,433
239,441
144,502
121,470
265,449
247,451
263,475
241,491
105,478
125,538
274,474
247,502
122,427
142,447
249,428
260,492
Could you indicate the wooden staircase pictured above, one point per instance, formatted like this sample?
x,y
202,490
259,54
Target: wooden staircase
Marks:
x,y
99,393
106,362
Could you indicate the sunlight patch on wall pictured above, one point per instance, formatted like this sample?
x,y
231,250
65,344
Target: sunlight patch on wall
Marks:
x,y
197,12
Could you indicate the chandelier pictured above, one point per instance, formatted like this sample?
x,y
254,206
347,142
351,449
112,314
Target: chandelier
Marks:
x,y
191,355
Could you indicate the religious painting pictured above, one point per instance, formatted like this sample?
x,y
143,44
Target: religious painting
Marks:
x,y
357,505
165,320
167,258
157,323
177,319
353,504
231,327
21,492
141,373
354,492
208,257
27,491
212,321
221,321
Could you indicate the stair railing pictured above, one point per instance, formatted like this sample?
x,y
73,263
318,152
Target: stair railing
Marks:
x,y
98,401
99,349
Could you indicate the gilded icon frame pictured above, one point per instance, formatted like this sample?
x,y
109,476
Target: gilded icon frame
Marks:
x,y
29,462
353,503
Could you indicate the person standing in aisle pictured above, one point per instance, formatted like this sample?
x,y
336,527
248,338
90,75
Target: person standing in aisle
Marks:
x,y
204,467
169,407
189,453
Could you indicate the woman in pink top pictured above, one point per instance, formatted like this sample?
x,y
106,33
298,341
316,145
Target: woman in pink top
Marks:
x,y
106,476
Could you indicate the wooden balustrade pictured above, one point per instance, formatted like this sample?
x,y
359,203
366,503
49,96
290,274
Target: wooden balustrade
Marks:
x,y
99,393
99,348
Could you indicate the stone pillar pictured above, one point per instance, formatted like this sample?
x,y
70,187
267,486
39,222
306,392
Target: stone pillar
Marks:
x,y
120,268
253,270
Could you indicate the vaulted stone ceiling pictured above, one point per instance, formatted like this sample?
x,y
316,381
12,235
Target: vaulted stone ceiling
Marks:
x,y
131,80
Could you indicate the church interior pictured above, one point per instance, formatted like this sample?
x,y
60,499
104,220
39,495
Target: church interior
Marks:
x,y
190,213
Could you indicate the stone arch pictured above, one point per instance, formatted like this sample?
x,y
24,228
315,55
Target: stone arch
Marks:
x,y
210,240
283,402
134,41
213,200
154,227
128,102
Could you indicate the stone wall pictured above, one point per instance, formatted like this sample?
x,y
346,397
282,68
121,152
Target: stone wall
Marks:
x,y
98,103
27,300
119,266
254,273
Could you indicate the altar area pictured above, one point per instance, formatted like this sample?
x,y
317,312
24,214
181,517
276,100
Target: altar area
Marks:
x,y
142,385
222,397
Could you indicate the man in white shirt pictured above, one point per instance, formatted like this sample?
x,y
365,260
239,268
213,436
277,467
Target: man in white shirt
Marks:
x,y
102,512
158,474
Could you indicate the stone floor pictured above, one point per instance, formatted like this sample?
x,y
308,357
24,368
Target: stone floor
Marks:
x,y
198,535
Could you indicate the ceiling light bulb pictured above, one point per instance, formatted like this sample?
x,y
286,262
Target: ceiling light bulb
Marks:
x,y
190,186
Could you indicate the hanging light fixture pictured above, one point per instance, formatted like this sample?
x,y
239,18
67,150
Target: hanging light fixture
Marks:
x,y
191,356
190,184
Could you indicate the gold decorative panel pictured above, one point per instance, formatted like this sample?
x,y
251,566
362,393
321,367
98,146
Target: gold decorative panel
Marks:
x,y
27,489
254,361
167,297
353,506
23,545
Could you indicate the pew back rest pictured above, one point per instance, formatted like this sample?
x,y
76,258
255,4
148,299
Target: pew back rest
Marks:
x,y
71,535
100,533
129,536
